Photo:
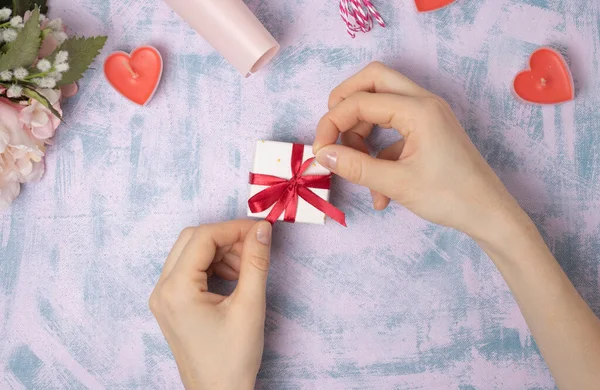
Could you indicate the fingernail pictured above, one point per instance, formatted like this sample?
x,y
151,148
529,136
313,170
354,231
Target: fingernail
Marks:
x,y
328,160
263,233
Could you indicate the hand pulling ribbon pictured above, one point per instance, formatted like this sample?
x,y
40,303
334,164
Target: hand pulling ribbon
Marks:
x,y
284,193
358,16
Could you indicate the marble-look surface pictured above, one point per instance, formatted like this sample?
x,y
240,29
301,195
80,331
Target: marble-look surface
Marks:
x,y
391,301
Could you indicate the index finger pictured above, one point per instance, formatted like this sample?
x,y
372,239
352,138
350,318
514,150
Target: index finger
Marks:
x,y
377,77
386,110
184,237
200,250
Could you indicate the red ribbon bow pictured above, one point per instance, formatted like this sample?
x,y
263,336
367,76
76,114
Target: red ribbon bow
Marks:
x,y
284,193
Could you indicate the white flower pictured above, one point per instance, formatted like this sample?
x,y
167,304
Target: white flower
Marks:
x,y
49,83
6,75
60,36
61,57
21,73
5,14
17,21
14,91
55,24
42,17
45,82
44,65
9,35
55,75
62,67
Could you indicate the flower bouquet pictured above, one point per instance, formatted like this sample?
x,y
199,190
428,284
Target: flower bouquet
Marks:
x,y
39,66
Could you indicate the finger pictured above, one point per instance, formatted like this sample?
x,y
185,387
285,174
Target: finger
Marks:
x,y
255,265
225,272
200,251
385,110
362,129
232,260
391,153
380,201
376,77
236,249
355,141
355,137
360,168
184,237
212,298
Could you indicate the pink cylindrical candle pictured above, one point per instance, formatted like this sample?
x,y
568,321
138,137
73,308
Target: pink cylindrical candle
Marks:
x,y
232,29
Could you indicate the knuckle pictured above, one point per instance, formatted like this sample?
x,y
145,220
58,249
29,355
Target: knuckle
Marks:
x,y
200,230
166,298
325,120
153,302
436,104
170,296
187,232
334,96
376,66
355,171
260,261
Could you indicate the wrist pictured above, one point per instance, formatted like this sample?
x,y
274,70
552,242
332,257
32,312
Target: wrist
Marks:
x,y
245,384
507,232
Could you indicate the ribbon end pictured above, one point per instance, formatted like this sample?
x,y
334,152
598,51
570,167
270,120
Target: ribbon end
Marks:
x,y
339,218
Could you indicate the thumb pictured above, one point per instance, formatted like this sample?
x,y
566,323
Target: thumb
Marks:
x,y
360,168
255,259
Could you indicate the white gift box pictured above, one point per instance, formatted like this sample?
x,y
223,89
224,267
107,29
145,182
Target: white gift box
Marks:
x,y
274,158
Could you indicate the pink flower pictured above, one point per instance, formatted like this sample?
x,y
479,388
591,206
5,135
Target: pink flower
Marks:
x,y
9,125
49,44
20,155
17,142
69,90
40,120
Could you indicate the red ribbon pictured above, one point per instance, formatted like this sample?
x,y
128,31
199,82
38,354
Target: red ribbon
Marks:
x,y
284,193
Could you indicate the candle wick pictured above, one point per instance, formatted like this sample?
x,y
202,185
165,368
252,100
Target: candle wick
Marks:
x,y
133,74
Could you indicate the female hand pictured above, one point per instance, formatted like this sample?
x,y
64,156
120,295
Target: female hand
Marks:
x,y
217,341
435,170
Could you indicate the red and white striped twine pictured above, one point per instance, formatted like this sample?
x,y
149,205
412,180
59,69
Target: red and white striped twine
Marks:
x,y
358,16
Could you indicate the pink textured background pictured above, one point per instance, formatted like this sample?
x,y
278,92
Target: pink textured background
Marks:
x,y
390,302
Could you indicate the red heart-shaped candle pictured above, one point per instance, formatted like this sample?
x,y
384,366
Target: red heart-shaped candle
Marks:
x,y
431,5
548,81
135,76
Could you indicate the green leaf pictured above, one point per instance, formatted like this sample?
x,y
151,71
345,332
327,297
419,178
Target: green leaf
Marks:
x,y
32,93
82,52
42,4
22,6
7,46
24,49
